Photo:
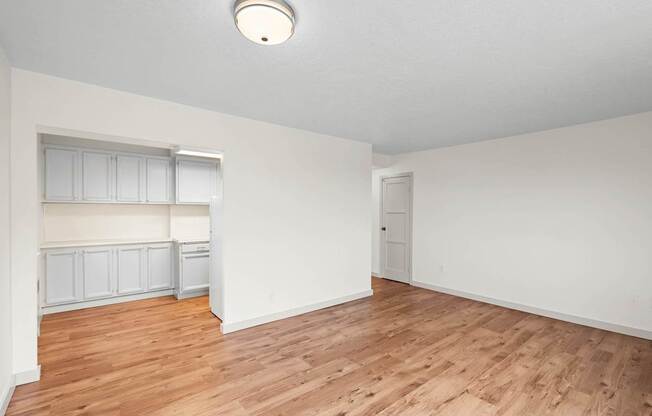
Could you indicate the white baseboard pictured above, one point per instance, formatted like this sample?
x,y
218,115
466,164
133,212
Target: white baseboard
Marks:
x,y
608,326
6,396
191,294
28,376
237,326
103,302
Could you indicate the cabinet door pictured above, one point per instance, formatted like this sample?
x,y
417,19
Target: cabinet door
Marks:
x,y
158,180
61,167
129,178
96,176
62,283
96,268
196,181
159,266
194,271
131,270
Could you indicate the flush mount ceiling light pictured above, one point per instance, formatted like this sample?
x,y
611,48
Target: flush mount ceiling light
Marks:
x,y
266,22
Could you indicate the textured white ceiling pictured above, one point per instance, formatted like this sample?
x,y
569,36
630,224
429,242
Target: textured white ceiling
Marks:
x,y
403,75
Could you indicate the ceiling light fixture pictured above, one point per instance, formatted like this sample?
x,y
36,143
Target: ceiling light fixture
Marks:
x,y
266,22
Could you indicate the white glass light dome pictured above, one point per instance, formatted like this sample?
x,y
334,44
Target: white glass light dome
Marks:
x,y
266,22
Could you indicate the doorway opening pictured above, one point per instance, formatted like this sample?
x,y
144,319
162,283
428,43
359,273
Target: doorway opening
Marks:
x,y
125,219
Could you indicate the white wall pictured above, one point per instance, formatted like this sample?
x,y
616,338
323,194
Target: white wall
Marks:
x,y
6,369
296,203
189,222
83,222
559,220
74,222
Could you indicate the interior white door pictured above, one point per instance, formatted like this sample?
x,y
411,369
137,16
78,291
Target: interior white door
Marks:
x,y
396,227
97,271
159,265
96,176
129,178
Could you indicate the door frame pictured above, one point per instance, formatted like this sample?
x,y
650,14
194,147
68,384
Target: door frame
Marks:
x,y
381,220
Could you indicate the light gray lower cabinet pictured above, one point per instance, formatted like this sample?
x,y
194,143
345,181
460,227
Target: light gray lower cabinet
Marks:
x,y
192,269
195,271
81,274
159,266
63,283
98,272
130,269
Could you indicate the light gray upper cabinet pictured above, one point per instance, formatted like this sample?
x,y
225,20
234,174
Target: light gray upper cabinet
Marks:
x,y
97,174
159,266
88,175
130,178
196,181
131,269
62,281
98,272
61,174
158,180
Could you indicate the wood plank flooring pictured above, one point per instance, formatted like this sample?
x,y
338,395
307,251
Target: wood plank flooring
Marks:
x,y
405,351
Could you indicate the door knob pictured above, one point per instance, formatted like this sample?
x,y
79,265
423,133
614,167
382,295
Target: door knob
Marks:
x,y
384,229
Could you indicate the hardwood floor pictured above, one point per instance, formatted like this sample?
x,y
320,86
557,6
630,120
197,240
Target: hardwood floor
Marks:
x,y
406,351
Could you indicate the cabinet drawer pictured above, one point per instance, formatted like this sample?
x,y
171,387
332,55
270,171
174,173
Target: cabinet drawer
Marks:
x,y
195,247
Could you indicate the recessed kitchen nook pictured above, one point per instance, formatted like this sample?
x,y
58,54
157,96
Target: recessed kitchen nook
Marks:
x,y
123,222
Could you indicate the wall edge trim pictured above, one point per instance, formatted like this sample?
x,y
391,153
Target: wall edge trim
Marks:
x,y
28,376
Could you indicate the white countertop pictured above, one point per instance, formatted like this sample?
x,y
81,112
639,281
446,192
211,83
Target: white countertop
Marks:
x,y
93,243
192,240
